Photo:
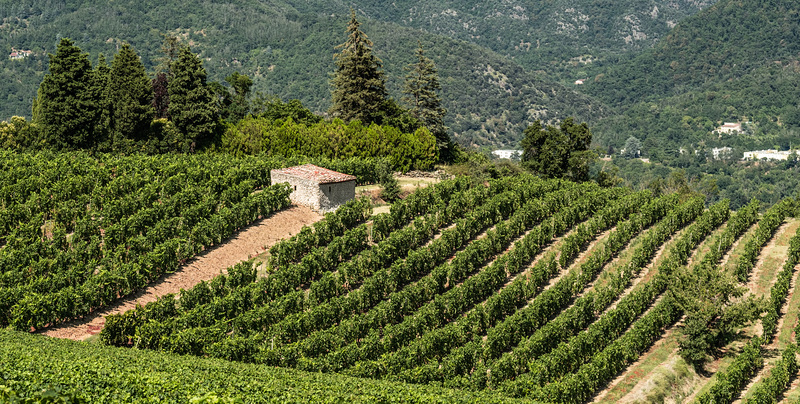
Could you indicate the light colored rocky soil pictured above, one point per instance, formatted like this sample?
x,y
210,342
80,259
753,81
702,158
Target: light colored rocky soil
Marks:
x,y
252,241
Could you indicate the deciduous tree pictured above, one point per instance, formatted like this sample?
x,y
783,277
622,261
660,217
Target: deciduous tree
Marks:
x,y
558,152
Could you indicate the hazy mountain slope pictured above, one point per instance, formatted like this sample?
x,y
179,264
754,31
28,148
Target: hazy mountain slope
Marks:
x,y
289,53
724,42
537,34
736,61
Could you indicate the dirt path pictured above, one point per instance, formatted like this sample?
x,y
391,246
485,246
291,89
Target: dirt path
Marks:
x,y
247,243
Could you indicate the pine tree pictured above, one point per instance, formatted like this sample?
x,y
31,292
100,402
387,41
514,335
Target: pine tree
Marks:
x,y
65,107
421,89
131,97
359,88
191,105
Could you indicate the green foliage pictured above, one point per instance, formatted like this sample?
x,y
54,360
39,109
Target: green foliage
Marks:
x,y
65,107
358,85
561,152
770,389
157,212
334,140
273,109
130,98
238,106
421,89
286,48
74,374
730,382
633,148
191,106
711,298
390,189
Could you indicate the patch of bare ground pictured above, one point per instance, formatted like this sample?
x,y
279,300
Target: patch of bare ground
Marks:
x,y
247,243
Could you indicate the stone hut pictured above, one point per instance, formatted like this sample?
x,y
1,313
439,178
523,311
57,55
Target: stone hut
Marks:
x,y
319,188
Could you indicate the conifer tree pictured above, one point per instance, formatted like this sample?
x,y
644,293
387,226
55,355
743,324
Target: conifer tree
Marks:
x,y
191,105
131,97
100,92
65,108
421,89
359,88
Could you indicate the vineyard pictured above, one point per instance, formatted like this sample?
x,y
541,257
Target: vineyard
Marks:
x,y
517,288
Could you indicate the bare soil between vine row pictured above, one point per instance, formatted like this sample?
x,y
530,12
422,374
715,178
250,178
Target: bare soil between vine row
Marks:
x,y
247,243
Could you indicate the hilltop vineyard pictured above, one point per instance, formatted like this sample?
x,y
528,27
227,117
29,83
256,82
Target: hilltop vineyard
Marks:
x,y
530,288
516,288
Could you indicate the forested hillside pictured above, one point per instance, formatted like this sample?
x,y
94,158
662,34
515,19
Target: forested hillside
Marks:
x,y
288,52
735,61
556,36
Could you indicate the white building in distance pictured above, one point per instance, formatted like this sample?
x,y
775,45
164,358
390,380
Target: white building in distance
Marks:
x,y
767,154
729,128
507,154
721,152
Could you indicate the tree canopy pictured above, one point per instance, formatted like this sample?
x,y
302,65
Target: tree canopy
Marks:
x,y
191,106
558,152
358,85
64,106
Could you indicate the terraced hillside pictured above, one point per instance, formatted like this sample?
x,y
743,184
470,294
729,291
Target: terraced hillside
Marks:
x,y
519,288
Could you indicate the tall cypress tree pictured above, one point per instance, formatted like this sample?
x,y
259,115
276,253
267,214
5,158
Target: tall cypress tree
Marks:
x,y
191,105
65,107
359,88
421,89
131,97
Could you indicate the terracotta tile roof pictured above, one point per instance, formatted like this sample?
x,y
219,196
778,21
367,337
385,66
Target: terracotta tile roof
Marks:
x,y
317,174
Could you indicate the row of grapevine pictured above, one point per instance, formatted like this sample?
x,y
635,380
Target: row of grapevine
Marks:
x,y
409,299
770,388
35,310
283,280
522,289
604,360
334,225
399,343
730,382
375,285
537,313
582,312
780,289
155,335
79,231
767,227
240,303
